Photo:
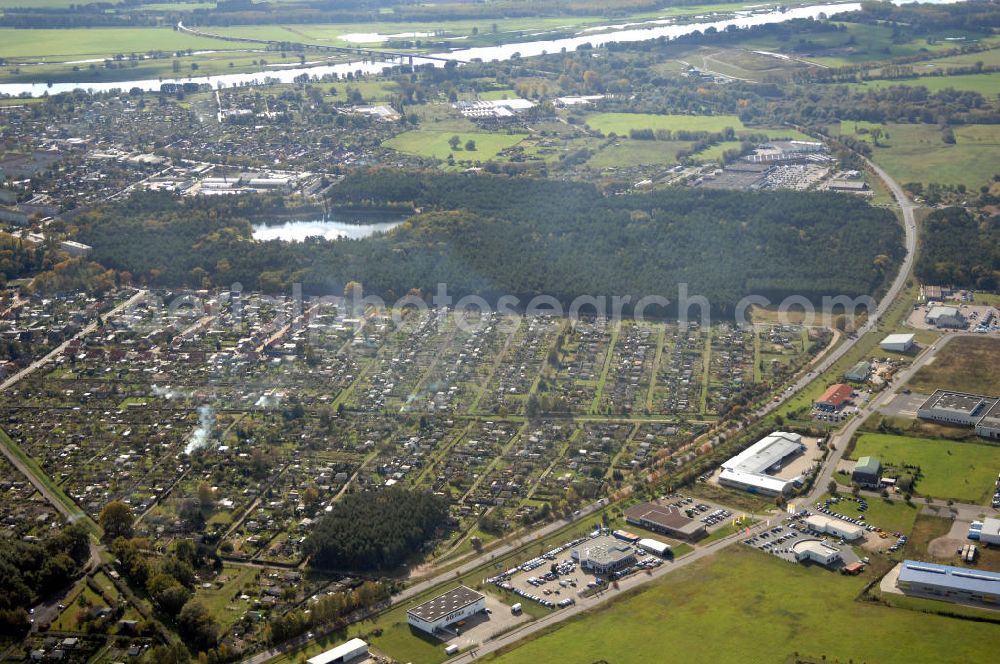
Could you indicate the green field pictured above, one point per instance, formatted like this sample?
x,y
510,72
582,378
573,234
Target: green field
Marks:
x,y
99,42
917,153
621,123
432,143
625,154
987,85
963,471
746,606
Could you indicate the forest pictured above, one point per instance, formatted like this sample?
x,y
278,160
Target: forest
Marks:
x,y
493,235
959,249
376,529
31,570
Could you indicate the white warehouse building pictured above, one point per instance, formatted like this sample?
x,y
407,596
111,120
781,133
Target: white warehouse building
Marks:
x,y
897,343
749,469
824,524
345,652
455,605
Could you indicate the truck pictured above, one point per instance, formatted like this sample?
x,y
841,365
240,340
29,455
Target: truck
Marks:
x,y
516,609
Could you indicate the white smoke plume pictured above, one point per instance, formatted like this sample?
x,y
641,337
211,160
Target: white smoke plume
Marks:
x,y
199,437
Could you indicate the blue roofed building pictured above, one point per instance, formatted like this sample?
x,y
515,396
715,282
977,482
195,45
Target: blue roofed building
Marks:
x,y
948,583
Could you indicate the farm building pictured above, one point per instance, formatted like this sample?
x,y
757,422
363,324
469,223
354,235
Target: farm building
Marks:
x,y
664,519
952,584
859,372
866,472
604,554
835,397
897,343
345,652
816,551
457,604
749,469
830,526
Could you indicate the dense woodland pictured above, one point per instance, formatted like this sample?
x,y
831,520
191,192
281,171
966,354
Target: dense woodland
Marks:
x,y
376,529
961,249
493,236
31,570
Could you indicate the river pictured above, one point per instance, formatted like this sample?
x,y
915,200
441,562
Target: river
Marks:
x,y
616,33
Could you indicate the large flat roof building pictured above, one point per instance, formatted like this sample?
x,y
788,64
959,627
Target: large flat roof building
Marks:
x,y
836,527
664,519
749,469
436,614
988,425
345,652
956,408
945,317
604,554
816,551
951,584
897,343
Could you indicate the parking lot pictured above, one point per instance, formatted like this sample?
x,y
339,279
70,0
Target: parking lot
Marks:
x,y
779,540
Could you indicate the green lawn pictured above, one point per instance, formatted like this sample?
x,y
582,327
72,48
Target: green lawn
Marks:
x,y
431,143
746,606
963,471
917,153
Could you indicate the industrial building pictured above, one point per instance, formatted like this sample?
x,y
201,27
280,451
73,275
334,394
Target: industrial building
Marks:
x,y
817,552
859,372
866,472
990,533
835,397
988,425
957,408
457,604
951,584
897,343
75,249
345,652
603,555
664,519
749,470
946,318
821,523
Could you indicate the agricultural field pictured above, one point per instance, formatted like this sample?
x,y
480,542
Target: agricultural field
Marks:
x,y
685,611
68,44
917,152
966,364
962,471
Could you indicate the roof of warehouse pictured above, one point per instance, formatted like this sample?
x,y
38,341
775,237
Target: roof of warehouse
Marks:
x,y
898,339
334,654
765,453
442,605
959,578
